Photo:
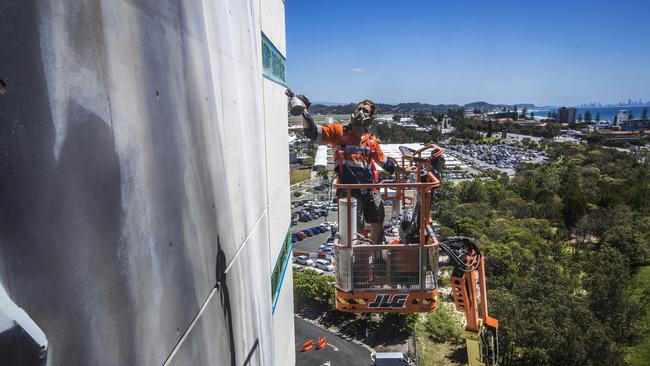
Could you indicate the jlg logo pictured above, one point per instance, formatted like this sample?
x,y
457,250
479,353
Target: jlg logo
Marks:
x,y
388,301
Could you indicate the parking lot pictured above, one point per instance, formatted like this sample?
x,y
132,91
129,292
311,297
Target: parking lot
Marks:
x,y
501,157
311,243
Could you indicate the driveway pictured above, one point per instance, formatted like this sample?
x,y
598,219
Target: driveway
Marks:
x,y
337,352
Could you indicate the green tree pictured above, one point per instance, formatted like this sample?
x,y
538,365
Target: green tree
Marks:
x,y
309,286
597,116
627,241
579,117
473,192
588,116
443,325
398,323
608,294
573,195
396,117
644,114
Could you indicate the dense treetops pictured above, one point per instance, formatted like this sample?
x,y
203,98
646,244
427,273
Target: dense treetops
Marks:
x,y
562,243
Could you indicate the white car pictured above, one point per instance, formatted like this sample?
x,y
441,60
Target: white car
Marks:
x,y
326,246
304,260
333,207
326,249
309,203
324,265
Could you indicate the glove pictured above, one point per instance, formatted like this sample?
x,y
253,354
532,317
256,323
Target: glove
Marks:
x,y
304,100
309,126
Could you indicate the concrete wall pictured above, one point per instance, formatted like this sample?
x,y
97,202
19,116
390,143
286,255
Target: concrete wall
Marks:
x,y
144,180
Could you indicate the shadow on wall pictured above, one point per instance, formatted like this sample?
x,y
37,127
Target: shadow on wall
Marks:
x,y
224,295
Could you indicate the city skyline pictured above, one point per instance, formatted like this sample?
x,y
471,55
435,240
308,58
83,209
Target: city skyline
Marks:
x,y
441,53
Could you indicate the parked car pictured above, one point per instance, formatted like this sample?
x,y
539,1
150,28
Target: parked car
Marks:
x,y
327,250
308,232
304,260
326,246
300,235
390,359
324,265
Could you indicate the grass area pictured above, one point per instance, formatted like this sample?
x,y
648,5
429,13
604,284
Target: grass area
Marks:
x,y
299,175
431,353
640,353
448,348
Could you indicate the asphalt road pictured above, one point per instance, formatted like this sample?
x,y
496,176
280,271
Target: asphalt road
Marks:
x,y
338,351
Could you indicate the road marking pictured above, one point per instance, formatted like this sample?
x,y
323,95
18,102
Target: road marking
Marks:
x,y
331,345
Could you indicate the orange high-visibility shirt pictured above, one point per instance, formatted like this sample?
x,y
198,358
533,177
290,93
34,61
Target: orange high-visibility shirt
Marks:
x,y
353,149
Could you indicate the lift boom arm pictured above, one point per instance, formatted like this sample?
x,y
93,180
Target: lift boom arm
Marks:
x,y
481,329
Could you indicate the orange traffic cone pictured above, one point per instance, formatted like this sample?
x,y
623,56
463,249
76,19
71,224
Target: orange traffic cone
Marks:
x,y
322,343
307,346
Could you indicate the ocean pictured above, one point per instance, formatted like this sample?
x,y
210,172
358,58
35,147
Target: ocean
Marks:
x,y
606,113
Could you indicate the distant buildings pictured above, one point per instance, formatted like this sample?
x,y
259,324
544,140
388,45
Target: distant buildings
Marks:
x,y
566,115
506,114
386,118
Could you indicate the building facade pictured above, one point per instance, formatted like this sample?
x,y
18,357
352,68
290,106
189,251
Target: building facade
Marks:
x,y
566,115
145,184
621,117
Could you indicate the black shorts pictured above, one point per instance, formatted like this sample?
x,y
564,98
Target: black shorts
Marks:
x,y
370,205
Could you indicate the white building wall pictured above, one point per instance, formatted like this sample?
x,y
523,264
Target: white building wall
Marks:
x,y
148,165
277,163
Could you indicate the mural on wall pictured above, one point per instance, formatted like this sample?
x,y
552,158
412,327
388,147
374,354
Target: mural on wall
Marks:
x,y
127,223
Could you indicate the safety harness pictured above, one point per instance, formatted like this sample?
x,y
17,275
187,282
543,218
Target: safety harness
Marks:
x,y
372,145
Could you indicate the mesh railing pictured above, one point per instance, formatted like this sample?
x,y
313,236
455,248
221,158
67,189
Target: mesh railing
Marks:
x,y
386,267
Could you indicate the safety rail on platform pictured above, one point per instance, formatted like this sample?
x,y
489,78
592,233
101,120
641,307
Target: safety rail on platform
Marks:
x,y
401,266
386,267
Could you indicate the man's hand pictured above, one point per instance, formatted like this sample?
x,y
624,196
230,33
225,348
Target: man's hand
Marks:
x,y
405,170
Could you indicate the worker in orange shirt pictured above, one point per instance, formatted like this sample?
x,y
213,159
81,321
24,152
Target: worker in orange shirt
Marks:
x,y
356,151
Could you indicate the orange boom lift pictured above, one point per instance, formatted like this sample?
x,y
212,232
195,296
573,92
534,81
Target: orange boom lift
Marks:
x,y
401,277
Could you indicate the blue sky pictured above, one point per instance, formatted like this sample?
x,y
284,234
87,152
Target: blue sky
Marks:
x,y
460,51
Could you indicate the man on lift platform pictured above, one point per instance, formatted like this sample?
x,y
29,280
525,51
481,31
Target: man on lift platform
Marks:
x,y
356,151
